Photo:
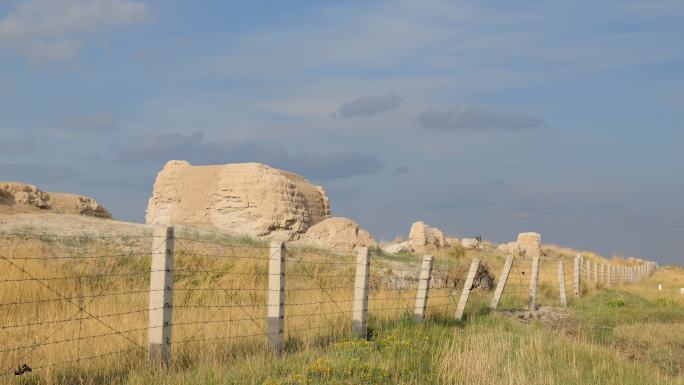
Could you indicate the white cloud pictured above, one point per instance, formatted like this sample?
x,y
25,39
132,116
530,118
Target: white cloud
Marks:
x,y
54,30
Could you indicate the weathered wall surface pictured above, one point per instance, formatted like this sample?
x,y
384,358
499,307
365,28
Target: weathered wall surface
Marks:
x,y
242,198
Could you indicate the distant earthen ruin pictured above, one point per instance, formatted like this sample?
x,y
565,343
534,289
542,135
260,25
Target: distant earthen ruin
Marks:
x,y
528,245
18,198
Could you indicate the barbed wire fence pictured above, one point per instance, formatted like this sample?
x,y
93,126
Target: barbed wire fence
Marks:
x,y
67,301
53,288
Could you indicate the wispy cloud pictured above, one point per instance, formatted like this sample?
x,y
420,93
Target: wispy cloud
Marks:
x,y
368,105
53,30
476,118
194,148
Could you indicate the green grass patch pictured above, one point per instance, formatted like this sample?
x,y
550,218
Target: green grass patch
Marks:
x,y
644,329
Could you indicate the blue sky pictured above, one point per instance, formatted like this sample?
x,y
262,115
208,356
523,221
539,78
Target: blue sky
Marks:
x,y
481,118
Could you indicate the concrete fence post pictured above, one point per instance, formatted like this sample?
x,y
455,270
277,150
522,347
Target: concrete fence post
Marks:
x,y
602,273
561,284
534,281
503,278
360,311
577,281
276,297
588,271
423,288
467,287
161,296
609,276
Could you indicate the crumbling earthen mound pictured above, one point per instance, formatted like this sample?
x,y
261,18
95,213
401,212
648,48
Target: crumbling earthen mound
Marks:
x,y
18,198
243,198
339,234
422,235
528,245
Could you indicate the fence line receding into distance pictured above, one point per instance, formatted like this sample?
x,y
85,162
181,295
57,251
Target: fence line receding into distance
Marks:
x,y
68,300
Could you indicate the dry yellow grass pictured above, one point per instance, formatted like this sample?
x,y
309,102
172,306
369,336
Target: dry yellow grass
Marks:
x,y
220,302
220,292
672,280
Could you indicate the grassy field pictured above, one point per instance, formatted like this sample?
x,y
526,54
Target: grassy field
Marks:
x,y
626,334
